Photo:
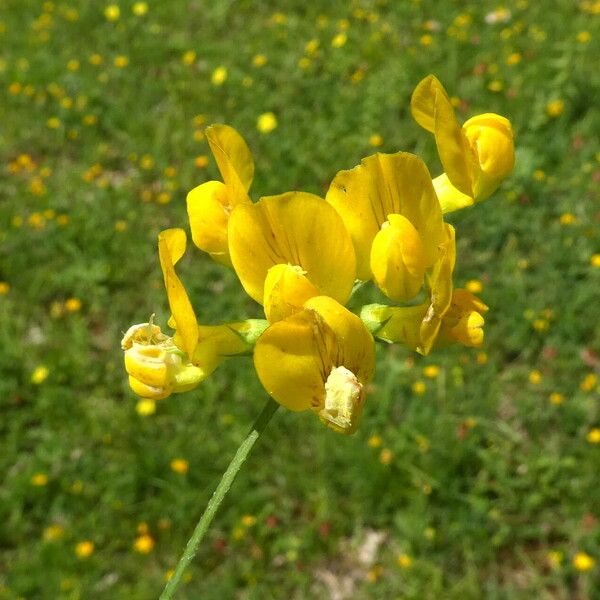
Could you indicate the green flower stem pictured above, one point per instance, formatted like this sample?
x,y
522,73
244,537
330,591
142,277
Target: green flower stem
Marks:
x,y
219,494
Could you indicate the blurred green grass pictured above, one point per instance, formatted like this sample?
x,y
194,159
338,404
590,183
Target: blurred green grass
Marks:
x,y
482,485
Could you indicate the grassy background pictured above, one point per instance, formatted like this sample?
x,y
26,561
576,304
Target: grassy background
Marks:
x,y
477,487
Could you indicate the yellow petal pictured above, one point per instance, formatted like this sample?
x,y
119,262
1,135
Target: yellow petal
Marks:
x,y
450,198
208,207
286,290
149,365
423,101
397,324
295,228
171,247
381,185
491,139
469,329
295,356
398,260
440,282
147,391
233,157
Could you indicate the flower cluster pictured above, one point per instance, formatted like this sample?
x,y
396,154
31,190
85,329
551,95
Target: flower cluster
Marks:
x,y
301,257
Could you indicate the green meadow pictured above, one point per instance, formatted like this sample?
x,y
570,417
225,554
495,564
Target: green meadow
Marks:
x,y
474,473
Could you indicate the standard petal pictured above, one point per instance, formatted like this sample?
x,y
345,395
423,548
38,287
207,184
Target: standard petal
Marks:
x,y
385,184
286,290
171,247
423,101
298,229
233,157
398,259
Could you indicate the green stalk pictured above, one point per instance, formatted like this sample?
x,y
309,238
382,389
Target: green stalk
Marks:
x,y
219,494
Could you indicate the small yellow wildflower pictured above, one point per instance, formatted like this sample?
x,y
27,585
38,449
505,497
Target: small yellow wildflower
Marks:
x,y
513,59
95,59
481,358
376,140
426,39
188,57
419,388
431,371
374,573
201,161
4,288
583,561
144,544
164,198
339,40
259,60
39,375
248,520
112,12
583,37
145,407
62,220
555,108
73,65
180,465
139,9
474,286
386,456
90,120
540,324
589,382
595,260
556,398
219,76
73,305
146,162
266,122
14,89
495,85
374,441
84,549
535,377
404,561
593,436
121,61
53,532
567,219
555,558
53,122
304,63
539,175
39,479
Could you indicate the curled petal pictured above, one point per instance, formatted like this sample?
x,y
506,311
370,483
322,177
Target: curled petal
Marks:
x,y
286,290
423,101
295,228
398,259
450,198
171,247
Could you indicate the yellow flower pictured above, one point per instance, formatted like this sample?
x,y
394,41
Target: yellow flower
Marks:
x,y
404,561
431,371
180,465
583,561
112,12
144,544
583,37
595,260
589,382
535,377
481,358
593,436
474,286
513,59
339,40
84,549
320,359
210,204
374,441
266,122
73,65
139,9
248,520
476,157
426,39
419,388
219,76
121,61
555,108
53,532
376,140
188,57
53,122
386,456
259,60
556,398
73,305
4,288
201,160
145,407
567,219
295,229
39,479
39,375
394,189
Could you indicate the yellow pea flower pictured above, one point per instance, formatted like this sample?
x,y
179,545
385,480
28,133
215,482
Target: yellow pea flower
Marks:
x,y
476,157
320,359
296,229
210,204
368,196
